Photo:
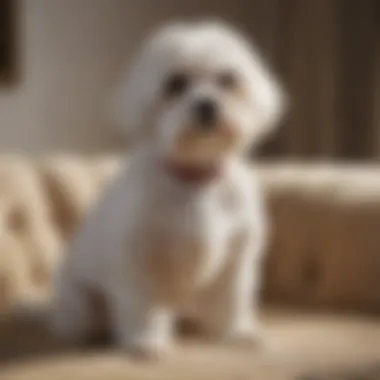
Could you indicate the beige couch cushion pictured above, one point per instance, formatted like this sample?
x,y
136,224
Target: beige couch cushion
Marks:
x,y
326,245
325,249
41,204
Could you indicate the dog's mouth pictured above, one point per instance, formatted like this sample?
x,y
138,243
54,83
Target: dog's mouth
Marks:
x,y
199,157
208,143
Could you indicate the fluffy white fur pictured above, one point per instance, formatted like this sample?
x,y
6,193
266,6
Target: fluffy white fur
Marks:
x,y
157,248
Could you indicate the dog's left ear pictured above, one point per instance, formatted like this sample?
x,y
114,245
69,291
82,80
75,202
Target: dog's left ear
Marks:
x,y
270,101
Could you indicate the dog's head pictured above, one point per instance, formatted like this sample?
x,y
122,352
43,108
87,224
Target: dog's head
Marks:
x,y
199,92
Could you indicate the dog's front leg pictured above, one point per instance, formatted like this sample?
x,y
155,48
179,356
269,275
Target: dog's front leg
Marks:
x,y
142,327
229,306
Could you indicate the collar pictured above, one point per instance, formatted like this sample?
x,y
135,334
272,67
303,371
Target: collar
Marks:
x,y
193,174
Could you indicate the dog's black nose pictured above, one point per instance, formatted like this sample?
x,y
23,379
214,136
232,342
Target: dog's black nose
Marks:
x,y
206,112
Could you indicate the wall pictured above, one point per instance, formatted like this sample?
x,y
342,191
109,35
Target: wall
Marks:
x,y
70,51
328,54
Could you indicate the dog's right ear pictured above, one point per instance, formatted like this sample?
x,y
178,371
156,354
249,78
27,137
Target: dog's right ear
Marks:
x,y
133,99
129,101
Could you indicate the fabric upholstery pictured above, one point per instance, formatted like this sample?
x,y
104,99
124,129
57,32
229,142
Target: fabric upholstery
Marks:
x,y
324,251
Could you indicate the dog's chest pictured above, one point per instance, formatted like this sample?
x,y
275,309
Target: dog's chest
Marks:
x,y
188,242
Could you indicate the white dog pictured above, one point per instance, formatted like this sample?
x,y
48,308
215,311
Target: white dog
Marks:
x,y
182,229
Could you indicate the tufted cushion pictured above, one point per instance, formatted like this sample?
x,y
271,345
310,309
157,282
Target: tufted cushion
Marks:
x,y
325,249
41,203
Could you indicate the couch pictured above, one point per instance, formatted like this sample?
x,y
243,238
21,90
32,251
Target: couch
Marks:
x,y
325,243
324,254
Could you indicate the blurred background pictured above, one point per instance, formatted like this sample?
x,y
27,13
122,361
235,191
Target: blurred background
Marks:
x,y
58,59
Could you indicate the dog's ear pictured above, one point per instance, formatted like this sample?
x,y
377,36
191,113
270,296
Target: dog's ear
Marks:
x,y
270,101
129,101
132,102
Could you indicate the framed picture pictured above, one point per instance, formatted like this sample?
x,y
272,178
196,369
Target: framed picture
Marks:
x,y
8,42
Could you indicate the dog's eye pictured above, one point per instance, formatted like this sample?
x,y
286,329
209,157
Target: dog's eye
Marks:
x,y
227,80
176,84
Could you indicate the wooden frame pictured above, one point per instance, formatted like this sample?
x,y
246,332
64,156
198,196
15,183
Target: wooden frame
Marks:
x,y
8,42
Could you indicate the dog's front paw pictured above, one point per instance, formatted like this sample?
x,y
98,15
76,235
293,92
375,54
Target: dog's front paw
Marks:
x,y
247,337
147,349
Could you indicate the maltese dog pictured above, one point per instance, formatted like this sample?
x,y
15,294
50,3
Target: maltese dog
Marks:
x,y
181,231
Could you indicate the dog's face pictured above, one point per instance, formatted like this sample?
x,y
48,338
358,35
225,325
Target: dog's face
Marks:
x,y
199,93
